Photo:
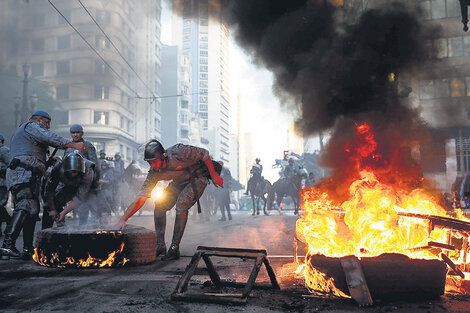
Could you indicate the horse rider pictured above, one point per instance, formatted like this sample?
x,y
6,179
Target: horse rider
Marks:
x,y
290,171
189,169
256,178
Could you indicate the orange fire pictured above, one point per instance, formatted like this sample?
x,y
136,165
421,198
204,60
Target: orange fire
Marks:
x,y
369,222
114,259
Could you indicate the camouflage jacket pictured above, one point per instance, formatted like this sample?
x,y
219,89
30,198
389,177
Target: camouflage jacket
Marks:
x,y
29,145
4,161
84,183
182,161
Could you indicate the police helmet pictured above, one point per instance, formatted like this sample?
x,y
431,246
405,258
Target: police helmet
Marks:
x,y
41,113
74,162
105,163
153,150
118,154
76,128
2,138
291,161
102,152
257,160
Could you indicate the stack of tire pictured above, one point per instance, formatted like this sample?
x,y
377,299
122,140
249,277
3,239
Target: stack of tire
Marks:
x,y
58,244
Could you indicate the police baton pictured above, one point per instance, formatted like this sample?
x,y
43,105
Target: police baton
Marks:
x,y
50,161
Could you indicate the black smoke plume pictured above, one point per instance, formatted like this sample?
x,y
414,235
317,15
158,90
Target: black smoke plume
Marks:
x,y
339,73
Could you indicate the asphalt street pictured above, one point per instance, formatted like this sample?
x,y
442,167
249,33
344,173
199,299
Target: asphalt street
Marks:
x,y
28,287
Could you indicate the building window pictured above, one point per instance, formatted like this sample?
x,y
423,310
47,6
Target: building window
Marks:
x,y
101,42
204,45
184,133
426,89
440,46
157,124
101,67
37,45
37,69
203,107
103,17
183,118
63,67
39,20
205,124
203,61
204,22
101,118
441,88
62,92
123,122
457,86
99,145
63,42
455,47
204,115
129,125
203,91
68,16
453,8
203,84
101,92
184,104
203,99
128,153
204,68
203,53
203,76
438,9
203,38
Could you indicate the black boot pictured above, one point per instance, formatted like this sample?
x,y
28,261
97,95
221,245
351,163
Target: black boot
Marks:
x,y
222,210
180,224
227,207
4,217
12,232
28,236
159,218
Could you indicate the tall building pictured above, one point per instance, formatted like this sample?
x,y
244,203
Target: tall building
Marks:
x,y
116,106
203,35
176,82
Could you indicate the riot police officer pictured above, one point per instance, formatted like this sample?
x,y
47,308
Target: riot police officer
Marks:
x,y
29,146
76,132
73,180
189,169
4,161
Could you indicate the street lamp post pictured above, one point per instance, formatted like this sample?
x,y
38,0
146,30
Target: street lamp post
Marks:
x,y
25,105
464,4
25,109
17,109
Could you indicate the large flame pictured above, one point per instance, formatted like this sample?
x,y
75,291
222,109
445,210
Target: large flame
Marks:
x,y
114,259
370,222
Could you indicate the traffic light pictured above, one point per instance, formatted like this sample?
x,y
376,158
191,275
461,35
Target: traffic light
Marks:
x,y
286,154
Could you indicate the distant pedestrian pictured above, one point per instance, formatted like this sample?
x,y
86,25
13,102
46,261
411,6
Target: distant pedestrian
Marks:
x,y
4,161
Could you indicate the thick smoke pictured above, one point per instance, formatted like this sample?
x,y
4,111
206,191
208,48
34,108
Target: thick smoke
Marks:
x,y
332,71
339,75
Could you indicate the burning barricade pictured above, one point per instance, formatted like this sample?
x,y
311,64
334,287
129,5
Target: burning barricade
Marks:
x,y
397,233
66,247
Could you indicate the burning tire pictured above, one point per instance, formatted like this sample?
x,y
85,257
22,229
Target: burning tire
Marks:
x,y
68,247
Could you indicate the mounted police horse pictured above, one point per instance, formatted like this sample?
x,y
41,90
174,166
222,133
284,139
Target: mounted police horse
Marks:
x,y
259,188
286,187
